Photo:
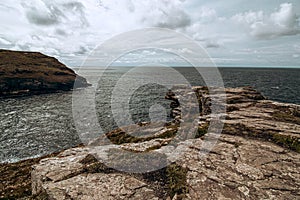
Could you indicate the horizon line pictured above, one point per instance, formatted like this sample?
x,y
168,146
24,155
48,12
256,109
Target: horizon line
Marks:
x,y
217,66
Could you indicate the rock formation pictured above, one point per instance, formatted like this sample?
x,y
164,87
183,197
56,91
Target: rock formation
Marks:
x,y
26,73
255,157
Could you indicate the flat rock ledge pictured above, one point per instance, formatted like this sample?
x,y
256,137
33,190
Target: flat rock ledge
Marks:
x,y
255,157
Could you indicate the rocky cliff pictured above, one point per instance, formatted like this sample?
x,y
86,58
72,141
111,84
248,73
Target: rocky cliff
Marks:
x,y
255,157
26,73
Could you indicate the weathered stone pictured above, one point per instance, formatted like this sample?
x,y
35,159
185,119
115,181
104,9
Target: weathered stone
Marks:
x,y
99,186
256,157
242,171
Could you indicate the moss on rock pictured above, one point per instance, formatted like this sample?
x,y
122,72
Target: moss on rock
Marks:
x,y
177,181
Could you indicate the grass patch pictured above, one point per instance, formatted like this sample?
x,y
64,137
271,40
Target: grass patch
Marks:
x,y
177,183
289,142
202,130
286,116
285,141
121,137
15,179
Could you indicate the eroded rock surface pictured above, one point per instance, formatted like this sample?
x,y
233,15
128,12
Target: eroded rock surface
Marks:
x,y
255,157
239,168
98,186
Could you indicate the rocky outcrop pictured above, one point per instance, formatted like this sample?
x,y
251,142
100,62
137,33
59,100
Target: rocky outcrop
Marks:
x,y
255,157
26,73
249,114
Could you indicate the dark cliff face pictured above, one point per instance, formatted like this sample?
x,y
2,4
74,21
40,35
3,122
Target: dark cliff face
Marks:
x,y
26,73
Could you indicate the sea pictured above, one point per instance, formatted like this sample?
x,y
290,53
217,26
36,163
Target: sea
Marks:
x,y
42,124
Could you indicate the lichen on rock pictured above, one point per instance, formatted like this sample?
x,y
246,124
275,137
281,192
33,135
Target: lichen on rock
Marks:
x,y
255,157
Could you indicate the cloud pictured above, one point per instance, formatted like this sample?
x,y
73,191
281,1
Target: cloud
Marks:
x,y
4,41
205,15
283,22
155,13
173,20
69,29
212,44
167,15
82,50
46,13
39,13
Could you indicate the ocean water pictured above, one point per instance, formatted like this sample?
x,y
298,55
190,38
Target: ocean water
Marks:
x,y
42,124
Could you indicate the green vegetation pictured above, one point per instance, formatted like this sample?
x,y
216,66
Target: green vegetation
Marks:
x,y
202,130
287,116
15,179
121,137
287,141
177,184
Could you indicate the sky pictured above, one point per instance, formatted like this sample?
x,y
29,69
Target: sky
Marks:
x,y
233,32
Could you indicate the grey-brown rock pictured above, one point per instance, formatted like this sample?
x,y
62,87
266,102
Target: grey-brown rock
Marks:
x,y
255,157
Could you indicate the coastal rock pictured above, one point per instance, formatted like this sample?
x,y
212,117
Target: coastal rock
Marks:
x,y
239,168
99,186
255,157
77,174
26,73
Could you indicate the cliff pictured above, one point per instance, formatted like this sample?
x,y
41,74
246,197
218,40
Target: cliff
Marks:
x,y
27,73
256,156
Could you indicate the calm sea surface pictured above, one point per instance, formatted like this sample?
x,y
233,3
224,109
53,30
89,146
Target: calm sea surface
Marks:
x,y
38,125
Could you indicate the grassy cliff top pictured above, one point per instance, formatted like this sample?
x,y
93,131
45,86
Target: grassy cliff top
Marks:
x,y
34,73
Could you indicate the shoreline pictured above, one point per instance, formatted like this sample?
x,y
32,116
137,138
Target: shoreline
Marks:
x,y
247,129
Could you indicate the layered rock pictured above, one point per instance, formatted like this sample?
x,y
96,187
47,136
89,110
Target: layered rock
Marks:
x,y
255,157
26,73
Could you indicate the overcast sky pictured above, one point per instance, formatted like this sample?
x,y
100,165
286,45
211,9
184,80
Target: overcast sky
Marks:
x,y
234,32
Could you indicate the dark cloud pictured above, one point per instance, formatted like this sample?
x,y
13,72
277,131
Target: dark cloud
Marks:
x,y
48,13
173,20
74,5
212,45
60,32
82,50
42,14
40,19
